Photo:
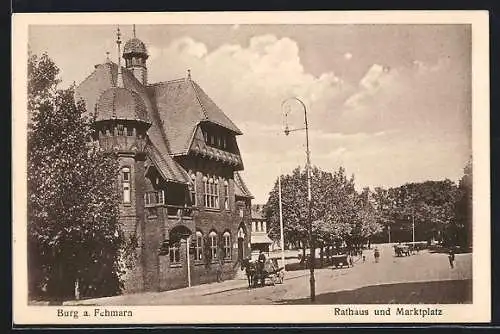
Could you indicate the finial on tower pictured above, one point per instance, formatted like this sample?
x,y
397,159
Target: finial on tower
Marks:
x,y
189,74
107,57
118,35
119,80
134,29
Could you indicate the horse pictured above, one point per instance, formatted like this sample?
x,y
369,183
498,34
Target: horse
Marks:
x,y
250,270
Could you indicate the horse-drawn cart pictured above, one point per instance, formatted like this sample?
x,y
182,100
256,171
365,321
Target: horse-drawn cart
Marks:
x,y
271,272
340,261
402,250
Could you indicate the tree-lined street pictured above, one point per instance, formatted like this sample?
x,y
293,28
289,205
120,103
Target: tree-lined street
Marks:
x,y
420,278
77,241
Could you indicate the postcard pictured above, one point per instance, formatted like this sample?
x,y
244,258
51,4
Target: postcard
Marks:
x,y
251,167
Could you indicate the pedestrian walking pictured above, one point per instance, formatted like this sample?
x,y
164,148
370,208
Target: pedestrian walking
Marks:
x,y
451,258
260,267
376,253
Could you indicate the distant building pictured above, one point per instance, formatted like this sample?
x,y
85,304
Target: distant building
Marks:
x,y
179,161
259,238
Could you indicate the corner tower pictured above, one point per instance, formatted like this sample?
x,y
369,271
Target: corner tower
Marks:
x,y
135,55
120,126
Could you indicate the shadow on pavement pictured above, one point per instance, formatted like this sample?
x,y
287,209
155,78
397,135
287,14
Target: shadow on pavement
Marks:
x,y
435,292
318,264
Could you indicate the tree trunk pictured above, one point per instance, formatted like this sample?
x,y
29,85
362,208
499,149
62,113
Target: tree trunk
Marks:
x,y
304,252
321,254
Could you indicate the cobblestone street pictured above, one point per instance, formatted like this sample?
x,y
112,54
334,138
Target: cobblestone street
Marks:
x,y
420,278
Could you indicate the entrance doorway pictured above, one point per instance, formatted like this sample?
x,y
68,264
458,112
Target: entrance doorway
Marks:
x,y
240,249
241,242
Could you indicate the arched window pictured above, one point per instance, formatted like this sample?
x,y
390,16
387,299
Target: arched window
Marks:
x,y
198,248
253,227
212,236
226,195
211,192
264,227
126,184
226,237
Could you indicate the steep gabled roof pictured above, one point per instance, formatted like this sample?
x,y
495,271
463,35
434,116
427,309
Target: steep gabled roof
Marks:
x,y
182,105
167,167
241,189
104,77
212,112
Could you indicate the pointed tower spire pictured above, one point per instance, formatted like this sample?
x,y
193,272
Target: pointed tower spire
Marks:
x,y
133,27
119,81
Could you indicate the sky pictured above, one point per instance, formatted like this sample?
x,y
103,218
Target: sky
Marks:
x,y
389,103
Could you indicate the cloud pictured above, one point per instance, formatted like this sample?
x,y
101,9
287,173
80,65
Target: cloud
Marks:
x,y
187,47
386,118
430,97
249,82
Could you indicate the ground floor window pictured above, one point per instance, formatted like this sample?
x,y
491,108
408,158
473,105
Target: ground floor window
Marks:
x,y
227,245
213,244
198,248
174,252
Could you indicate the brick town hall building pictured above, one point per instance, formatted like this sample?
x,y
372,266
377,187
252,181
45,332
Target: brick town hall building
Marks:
x,y
179,163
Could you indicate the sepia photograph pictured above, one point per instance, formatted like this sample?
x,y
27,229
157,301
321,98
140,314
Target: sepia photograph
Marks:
x,y
172,162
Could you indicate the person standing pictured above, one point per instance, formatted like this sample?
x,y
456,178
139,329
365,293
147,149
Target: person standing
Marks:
x,y
260,267
376,253
451,258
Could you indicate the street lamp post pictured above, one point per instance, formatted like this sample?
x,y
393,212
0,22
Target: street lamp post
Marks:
x,y
282,234
413,228
309,196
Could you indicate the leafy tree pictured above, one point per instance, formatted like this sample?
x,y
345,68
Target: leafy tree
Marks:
x,y
294,204
461,232
338,212
73,228
429,204
382,205
367,220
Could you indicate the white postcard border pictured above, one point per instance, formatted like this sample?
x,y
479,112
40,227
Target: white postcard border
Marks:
x,y
479,311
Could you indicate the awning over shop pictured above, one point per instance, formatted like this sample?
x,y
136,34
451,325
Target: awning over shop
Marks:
x,y
261,239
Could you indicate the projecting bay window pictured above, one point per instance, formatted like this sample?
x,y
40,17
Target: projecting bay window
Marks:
x,y
211,192
126,185
153,198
